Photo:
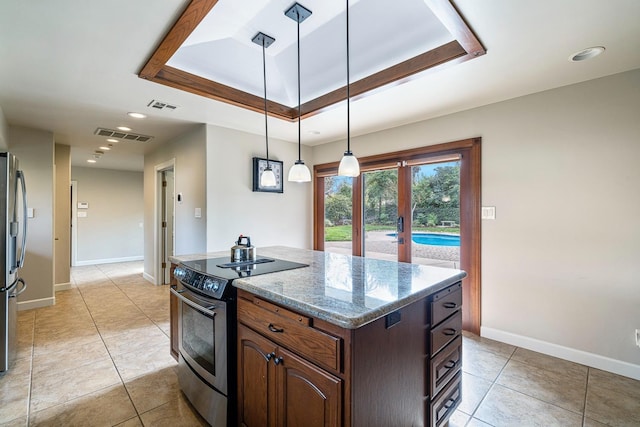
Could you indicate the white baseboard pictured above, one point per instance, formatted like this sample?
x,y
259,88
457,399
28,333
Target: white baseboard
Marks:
x,y
573,355
61,286
149,278
36,303
109,260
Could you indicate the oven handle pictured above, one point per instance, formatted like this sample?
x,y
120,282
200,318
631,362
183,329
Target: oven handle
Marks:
x,y
191,303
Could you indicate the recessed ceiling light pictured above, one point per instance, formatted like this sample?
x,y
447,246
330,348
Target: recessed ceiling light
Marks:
x,y
587,53
115,141
91,161
104,147
137,115
124,128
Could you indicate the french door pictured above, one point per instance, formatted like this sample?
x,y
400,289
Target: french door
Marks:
x,y
420,205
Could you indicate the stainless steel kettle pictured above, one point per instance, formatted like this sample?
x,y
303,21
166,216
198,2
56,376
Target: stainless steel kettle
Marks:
x,y
243,252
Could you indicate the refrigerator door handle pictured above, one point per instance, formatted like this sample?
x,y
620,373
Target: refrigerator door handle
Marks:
x,y
22,289
20,176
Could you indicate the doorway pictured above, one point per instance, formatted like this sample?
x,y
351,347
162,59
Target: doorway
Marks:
x,y
401,198
165,221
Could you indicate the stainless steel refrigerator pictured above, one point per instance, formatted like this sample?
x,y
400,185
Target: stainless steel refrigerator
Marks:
x,y
13,232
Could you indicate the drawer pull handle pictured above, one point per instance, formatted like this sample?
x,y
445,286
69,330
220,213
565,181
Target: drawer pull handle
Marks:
x,y
449,403
449,332
274,329
449,305
450,364
278,360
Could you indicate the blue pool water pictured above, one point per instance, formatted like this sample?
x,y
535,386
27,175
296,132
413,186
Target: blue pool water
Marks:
x,y
433,239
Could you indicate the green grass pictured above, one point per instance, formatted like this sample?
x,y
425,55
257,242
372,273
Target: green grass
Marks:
x,y
342,233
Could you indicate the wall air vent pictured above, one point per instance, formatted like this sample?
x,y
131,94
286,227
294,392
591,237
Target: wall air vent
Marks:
x,y
159,105
127,136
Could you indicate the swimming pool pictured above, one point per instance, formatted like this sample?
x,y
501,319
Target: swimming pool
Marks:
x,y
433,239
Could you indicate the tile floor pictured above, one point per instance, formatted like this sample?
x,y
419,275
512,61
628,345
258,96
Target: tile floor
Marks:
x,y
100,357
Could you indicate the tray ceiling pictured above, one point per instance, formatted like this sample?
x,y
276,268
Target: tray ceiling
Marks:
x,y
209,51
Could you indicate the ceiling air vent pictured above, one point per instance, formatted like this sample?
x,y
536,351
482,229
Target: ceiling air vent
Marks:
x,y
127,136
159,105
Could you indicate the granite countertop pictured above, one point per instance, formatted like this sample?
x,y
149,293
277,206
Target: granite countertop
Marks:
x,y
341,289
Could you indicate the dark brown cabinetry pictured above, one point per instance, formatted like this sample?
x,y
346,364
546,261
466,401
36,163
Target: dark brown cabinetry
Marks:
x,y
402,369
445,354
276,387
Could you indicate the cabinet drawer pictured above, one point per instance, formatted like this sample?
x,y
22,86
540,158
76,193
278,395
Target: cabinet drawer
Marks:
x,y
446,332
445,303
291,330
446,402
444,366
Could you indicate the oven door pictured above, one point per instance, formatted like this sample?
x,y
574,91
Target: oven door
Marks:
x,y
202,336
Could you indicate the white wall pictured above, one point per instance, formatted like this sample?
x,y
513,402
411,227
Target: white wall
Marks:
x,y
34,150
188,152
234,209
113,228
560,269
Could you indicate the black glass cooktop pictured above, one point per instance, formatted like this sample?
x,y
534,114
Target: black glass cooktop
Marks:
x,y
222,268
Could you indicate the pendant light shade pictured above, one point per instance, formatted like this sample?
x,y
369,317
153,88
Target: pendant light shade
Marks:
x,y
349,165
267,178
299,172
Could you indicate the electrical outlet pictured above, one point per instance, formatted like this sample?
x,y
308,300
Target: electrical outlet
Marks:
x,y
638,337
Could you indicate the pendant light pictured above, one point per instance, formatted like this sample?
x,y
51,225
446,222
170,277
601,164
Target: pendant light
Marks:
x,y
299,172
349,165
267,178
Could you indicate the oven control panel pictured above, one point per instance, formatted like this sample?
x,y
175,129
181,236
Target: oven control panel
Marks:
x,y
208,285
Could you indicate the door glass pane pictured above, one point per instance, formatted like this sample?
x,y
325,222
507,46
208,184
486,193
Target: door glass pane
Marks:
x,y
380,207
435,214
338,206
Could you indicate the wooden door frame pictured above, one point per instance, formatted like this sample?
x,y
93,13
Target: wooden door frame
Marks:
x,y
469,151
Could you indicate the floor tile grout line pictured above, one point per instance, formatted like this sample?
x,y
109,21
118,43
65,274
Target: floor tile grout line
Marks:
x,y
493,383
109,352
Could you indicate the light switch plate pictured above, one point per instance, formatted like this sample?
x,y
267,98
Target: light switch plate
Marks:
x,y
198,213
488,212
30,213
82,214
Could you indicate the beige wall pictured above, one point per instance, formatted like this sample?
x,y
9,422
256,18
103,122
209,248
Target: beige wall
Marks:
x,y
560,270
113,228
234,209
34,150
4,138
62,215
188,154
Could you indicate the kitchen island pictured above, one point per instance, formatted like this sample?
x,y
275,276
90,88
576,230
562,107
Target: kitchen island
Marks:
x,y
347,341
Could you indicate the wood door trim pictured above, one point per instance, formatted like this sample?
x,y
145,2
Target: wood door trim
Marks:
x,y
470,207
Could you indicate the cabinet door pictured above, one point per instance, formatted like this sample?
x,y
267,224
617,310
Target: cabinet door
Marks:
x,y
307,395
256,379
173,324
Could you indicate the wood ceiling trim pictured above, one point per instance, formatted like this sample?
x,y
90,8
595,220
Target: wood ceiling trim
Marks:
x,y
465,47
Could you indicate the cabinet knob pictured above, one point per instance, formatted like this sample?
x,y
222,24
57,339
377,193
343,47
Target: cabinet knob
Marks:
x,y
270,356
278,360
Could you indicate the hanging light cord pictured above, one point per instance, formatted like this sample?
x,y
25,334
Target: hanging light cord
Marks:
x,y
348,92
264,75
299,108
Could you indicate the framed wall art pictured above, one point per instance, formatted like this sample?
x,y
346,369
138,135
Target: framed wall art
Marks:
x,y
259,166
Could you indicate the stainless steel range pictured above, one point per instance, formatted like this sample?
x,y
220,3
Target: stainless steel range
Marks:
x,y
207,331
